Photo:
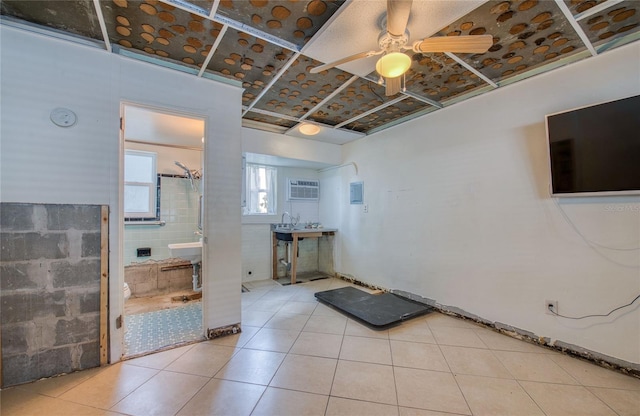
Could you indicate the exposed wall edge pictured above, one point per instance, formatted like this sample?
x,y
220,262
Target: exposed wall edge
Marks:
x,y
600,359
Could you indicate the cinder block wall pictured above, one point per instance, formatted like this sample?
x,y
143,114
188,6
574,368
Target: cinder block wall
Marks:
x,y
50,289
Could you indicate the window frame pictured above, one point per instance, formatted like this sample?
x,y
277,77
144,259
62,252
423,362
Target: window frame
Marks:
x,y
249,210
153,213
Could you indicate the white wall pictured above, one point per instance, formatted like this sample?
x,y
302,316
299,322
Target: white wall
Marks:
x,y
459,212
47,164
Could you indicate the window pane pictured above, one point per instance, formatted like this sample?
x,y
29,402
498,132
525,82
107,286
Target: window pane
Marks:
x,y
138,168
260,190
136,199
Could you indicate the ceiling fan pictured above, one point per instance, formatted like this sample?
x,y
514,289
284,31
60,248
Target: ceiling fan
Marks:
x,y
393,42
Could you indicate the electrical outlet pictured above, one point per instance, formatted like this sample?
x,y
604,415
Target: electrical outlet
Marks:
x,y
551,305
365,208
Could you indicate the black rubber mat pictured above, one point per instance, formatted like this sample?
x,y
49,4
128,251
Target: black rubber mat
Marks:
x,y
378,311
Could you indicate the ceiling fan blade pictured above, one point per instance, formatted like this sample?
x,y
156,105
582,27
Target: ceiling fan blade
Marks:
x,y
392,86
344,61
459,44
397,16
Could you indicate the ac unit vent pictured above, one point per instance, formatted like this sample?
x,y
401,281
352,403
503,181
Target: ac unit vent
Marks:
x,y
303,189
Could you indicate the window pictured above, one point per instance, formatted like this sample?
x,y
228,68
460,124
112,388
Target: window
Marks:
x,y
140,185
261,190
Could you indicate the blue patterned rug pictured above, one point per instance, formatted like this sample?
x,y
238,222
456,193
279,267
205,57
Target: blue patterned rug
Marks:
x,y
152,331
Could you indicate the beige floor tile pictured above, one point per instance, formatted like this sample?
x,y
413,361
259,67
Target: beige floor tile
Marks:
x,y
364,381
18,402
252,366
623,402
307,295
109,386
460,337
347,407
326,324
55,386
370,350
563,400
305,373
286,402
269,339
164,394
325,310
418,355
533,367
237,340
300,308
437,319
222,397
281,294
407,411
317,344
589,374
289,321
266,305
415,330
492,396
497,341
203,359
429,390
255,318
474,361
357,329
160,360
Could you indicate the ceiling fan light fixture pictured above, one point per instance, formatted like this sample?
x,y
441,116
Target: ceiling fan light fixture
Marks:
x,y
393,64
309,129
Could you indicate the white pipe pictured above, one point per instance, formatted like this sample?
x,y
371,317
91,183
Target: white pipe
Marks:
x,y
194,282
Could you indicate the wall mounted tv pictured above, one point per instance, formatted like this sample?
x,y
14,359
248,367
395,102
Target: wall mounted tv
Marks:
x,y
595,150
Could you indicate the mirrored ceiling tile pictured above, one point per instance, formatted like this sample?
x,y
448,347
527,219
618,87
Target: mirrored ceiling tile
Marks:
x,y
614,26
265,118
75,16
250,60
527,35
438,77
161,30
298,91
293,21
357,98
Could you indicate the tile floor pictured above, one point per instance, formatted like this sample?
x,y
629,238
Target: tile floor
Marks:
x,y
298,357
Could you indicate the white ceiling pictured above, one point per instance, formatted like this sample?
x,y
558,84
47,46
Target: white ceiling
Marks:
x,y
348,38
156,127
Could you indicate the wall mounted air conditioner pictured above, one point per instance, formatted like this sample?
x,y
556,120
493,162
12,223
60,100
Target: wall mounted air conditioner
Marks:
x,y
303,190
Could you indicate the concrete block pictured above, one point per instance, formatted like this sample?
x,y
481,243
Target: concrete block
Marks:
x,y
83,273
25,307
14,338
16,276
22,368
31,246
77,330
89,355
90,302
90,245
16,217
79,217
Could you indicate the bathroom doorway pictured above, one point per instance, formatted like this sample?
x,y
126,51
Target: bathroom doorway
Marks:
x,y
162,197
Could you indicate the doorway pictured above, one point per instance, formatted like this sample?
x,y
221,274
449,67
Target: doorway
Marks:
x,y
162,194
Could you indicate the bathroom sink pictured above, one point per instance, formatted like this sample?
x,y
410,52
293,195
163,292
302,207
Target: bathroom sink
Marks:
x,y
187,251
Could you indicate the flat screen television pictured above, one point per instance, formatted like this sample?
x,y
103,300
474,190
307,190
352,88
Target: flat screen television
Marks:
x,y
595,150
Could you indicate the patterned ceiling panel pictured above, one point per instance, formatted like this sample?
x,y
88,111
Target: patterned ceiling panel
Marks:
x,y
298,91
203,4
75,16
291,20
388,114
527,34
581,6
250,60
613,23
359,97
438,77
264,118
160,29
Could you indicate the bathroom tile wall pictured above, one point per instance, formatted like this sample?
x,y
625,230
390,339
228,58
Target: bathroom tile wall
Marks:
x,y
179,210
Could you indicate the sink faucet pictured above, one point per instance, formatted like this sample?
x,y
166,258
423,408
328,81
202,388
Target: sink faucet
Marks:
x,y
283,214
198,233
